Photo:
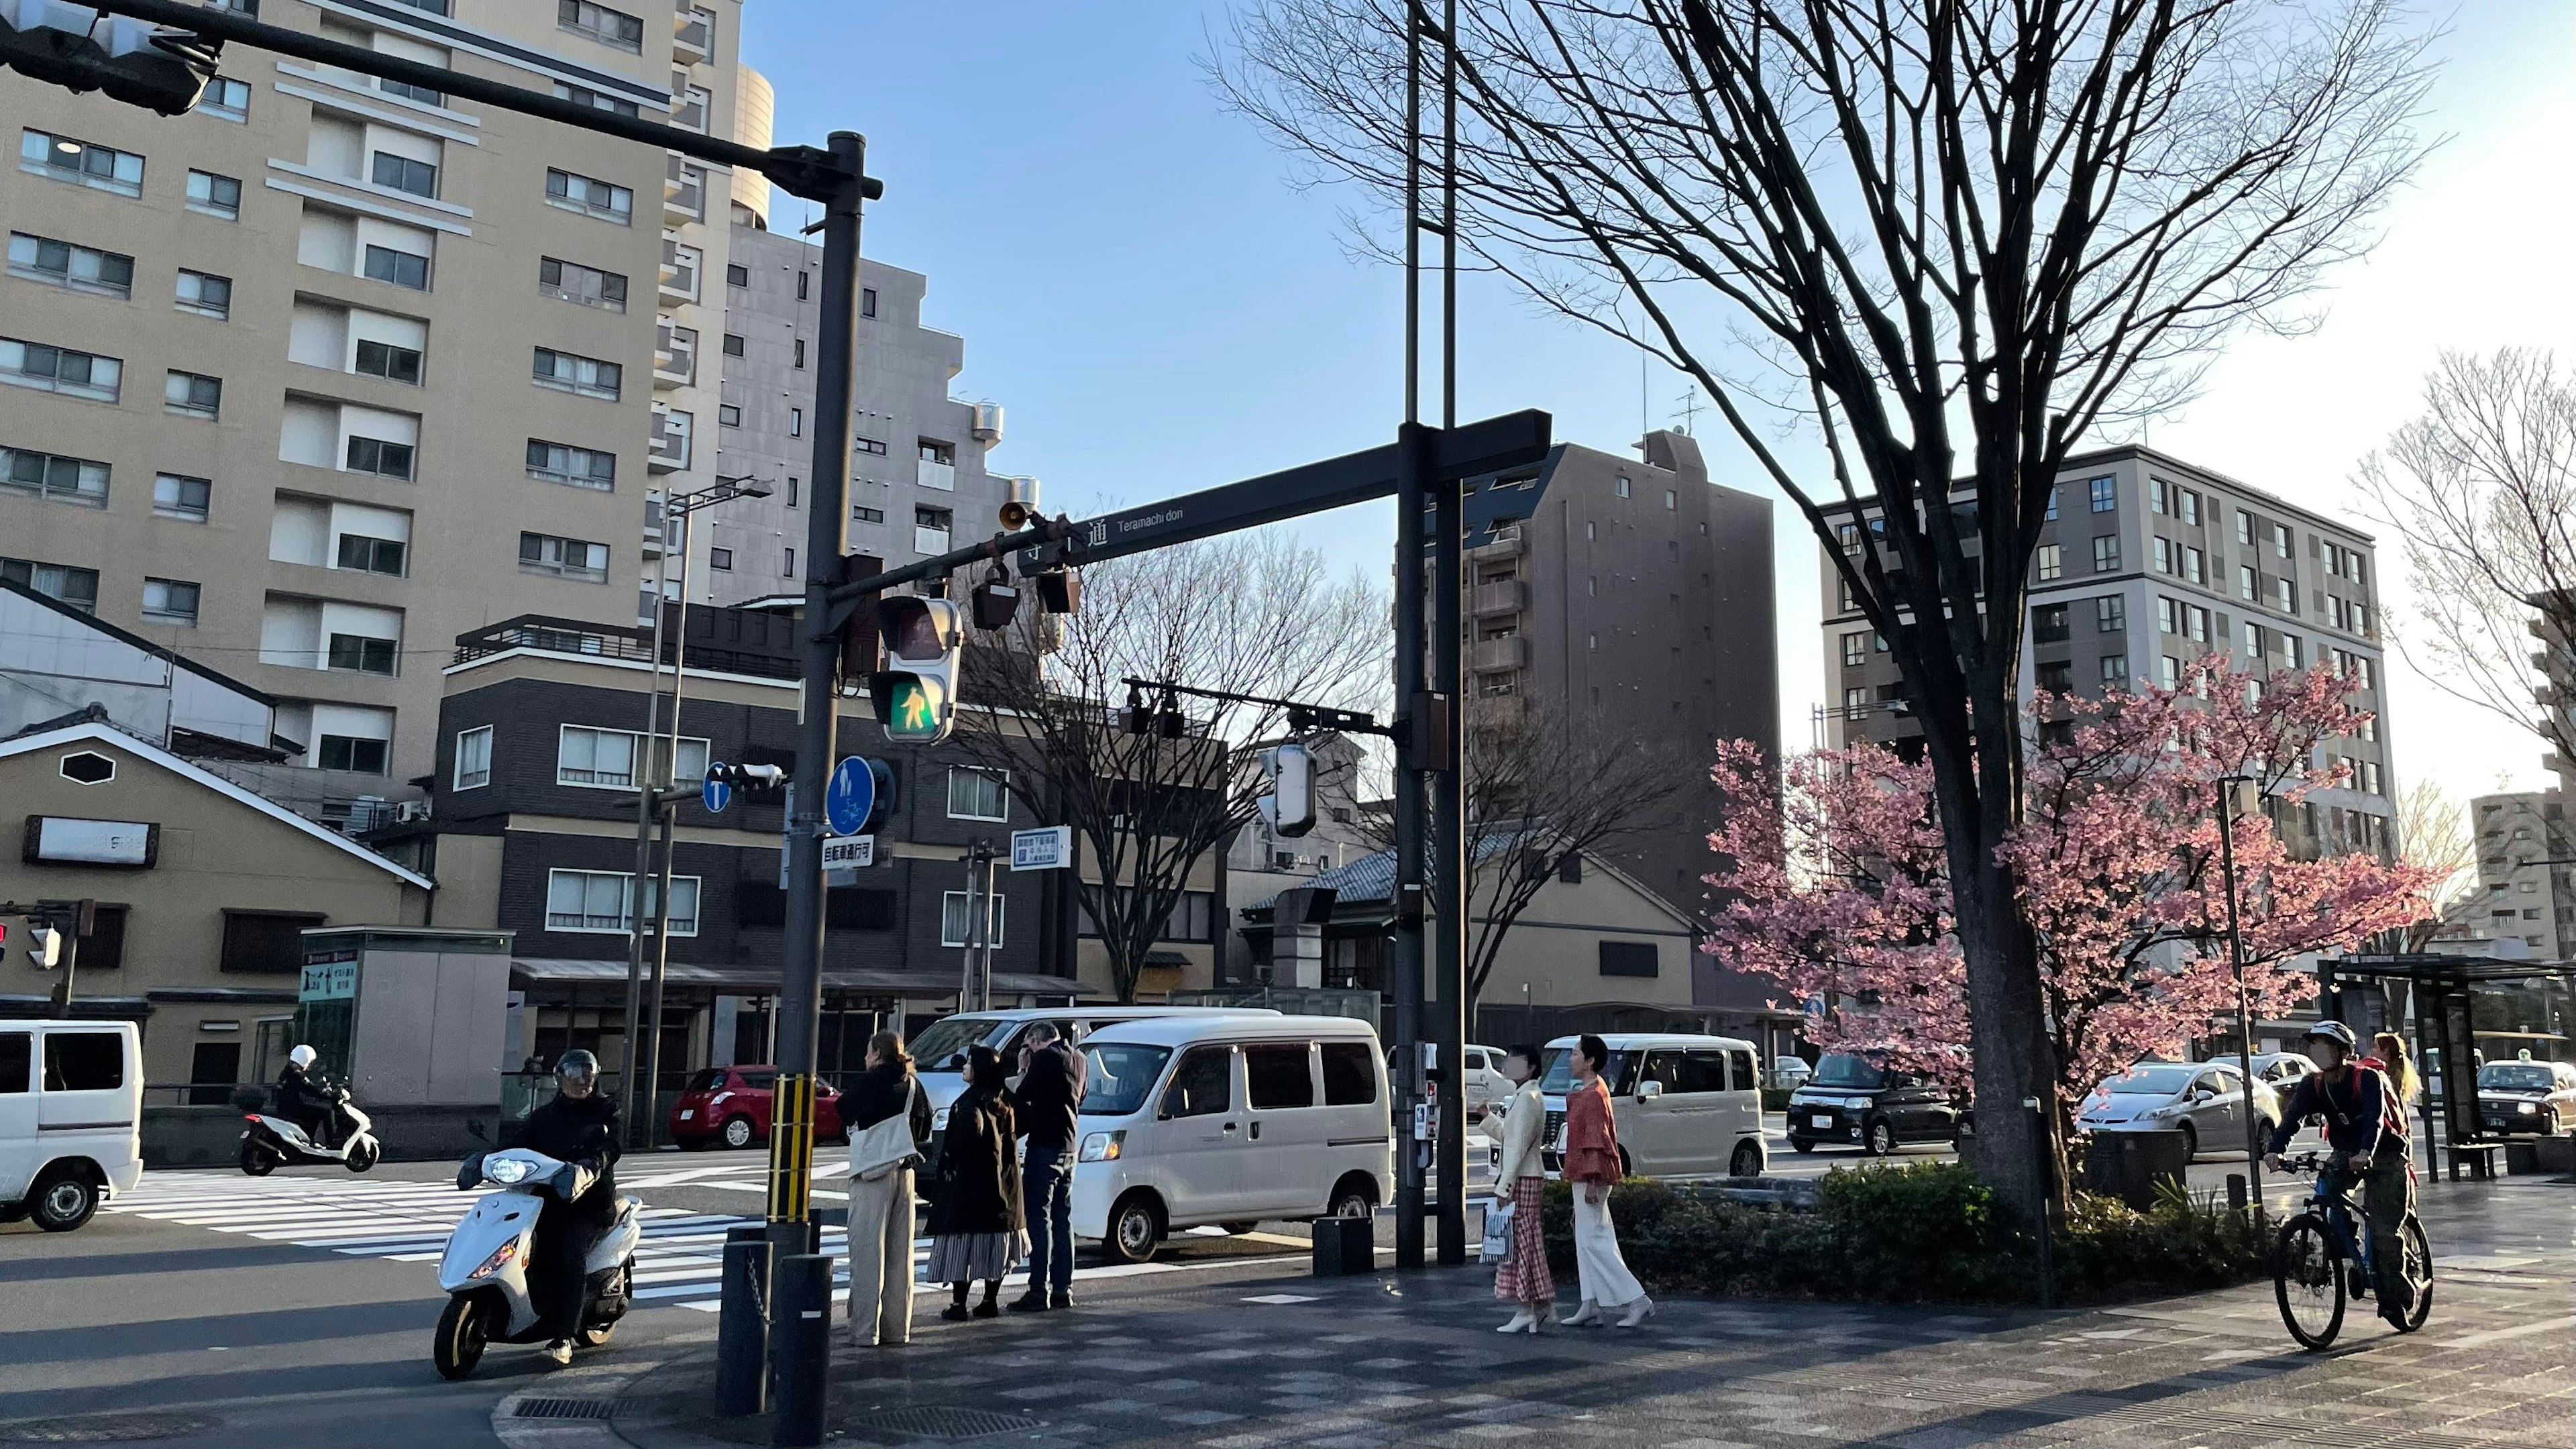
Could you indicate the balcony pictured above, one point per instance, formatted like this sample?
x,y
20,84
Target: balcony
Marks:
x,y
693,35
1499,656
1504,596
675,356
684,191
935,474
669,450
680,272
1506,544
930,541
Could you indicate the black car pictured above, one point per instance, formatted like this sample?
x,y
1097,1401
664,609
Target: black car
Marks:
x,y
2527,1097
1853,1099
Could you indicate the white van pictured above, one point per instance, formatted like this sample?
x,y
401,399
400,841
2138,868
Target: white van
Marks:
x,y
939,1054
1229,1119
71,1118
1683,1105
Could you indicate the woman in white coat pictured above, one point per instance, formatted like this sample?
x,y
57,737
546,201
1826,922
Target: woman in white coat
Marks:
x,y
887,1117
1522,1279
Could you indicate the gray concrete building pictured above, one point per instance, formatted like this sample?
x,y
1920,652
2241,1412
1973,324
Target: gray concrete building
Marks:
x,y
421,360
918,484
2526,872
2147,562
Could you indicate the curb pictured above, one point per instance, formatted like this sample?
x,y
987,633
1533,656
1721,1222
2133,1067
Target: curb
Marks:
x,y
593,1393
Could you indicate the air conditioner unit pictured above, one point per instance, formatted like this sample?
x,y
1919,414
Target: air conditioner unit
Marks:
x,y
1283,860
410,811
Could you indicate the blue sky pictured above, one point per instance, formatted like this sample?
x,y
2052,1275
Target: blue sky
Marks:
x,y
1159,310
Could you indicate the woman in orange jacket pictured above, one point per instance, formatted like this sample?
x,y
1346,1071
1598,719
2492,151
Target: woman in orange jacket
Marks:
x,y
1592,1166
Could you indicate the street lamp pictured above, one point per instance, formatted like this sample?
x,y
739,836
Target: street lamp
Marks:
x,y
2227,786
657,794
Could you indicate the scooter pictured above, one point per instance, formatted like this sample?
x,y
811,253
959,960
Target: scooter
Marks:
x,y
270,1142
485,1268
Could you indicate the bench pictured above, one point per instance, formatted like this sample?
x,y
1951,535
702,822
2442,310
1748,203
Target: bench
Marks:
x,y
2479,1157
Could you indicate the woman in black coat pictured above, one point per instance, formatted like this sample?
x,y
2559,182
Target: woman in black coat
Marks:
x,y
975,1223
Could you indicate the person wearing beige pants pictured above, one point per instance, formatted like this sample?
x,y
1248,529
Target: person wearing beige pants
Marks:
x,y
881,1258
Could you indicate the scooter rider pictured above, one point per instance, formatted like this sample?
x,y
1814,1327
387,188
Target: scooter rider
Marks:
x,y
579,1126
303,1100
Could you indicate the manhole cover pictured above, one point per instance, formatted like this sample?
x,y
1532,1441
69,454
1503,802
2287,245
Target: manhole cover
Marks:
x,y
564,1408
945,1423
103,1428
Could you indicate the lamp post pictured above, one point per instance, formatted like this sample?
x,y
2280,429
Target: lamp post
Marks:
x,y
2227,787
657,795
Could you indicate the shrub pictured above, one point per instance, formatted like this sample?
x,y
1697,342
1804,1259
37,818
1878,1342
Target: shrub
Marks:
x,y
1921,1232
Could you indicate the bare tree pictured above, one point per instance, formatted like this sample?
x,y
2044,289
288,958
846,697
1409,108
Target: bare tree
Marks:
x,y
2481,492
1245,614
1957,235
2433,832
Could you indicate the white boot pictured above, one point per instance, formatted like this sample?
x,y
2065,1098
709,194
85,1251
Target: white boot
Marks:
x,y
1590,1312
1638,1312
1525,1320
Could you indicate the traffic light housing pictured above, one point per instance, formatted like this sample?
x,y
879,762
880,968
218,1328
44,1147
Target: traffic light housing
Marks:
x,y
79,49
1289,808
915,694
761,778
45,946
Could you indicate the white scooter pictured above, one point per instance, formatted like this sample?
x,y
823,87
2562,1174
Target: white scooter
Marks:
x,y
270,1142
485,1269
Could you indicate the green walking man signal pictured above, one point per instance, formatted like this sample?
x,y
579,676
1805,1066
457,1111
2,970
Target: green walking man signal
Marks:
x,y
915,694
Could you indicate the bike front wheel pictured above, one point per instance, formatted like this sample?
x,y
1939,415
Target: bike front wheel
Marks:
x,y
2307,1281
2419,1272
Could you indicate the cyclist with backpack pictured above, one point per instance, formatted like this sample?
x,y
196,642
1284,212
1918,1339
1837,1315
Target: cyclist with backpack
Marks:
x,y
2367,1136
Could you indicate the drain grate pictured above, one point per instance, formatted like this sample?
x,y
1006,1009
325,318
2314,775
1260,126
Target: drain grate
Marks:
x,y
104,1429
946,1423
564,1408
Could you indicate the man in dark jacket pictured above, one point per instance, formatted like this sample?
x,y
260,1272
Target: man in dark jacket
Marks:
x,y
305,1100
2365,1128
1049,1103
580,1127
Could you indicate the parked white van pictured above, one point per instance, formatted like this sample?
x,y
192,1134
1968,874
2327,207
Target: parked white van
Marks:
x,y
71,1118
939,1054
1229,1119
1684,1105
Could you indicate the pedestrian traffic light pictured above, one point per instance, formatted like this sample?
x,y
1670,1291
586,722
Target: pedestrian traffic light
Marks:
x,y
79,49
749,777
1289,808
45,946
915,695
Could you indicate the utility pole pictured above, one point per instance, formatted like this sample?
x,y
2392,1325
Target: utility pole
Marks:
x,y
1448,780
2227,787
1411,698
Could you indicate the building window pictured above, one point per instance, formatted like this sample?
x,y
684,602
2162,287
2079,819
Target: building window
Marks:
x,y
1855,650
585,756
720,559
2281,540
63,159
579,467
2110,614
567,372
174,496
978,795
2057,677
206,294
266,941
2194,566
2169,672
1672,500
587,286
2106,553
2285,595
864,514
733,344
800,353
2052,505
214,195
2115,669
382,458
473,758
2163,551
75,588
225,99
62,480
362,554
2048,625
2249,585
170,601
2189,512
954,918
61,264
59,369
2048,564
590,196
402,269
795,422
804,281
789,569
1623,486
385,360
566,558
1629,958
1855,700
350,752
192,395
360,654
578,95
403,174
728,416
600,902
737,276
869,445
2105,493
613,28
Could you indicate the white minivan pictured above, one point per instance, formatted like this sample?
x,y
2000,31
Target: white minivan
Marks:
x,y
1683,1105
939,1053
1234,1120
71,1118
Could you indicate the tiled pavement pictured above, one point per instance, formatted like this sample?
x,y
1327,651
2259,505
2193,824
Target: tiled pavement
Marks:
x,y
1252,1361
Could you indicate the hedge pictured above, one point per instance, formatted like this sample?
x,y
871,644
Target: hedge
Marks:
x,y
1925,1232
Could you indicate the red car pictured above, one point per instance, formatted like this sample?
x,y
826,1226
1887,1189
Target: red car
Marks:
x,y
731,1105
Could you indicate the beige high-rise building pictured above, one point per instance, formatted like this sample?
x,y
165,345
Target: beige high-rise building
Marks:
x,y
309,382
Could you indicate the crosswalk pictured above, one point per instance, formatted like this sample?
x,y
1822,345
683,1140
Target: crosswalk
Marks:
x,y
679,1264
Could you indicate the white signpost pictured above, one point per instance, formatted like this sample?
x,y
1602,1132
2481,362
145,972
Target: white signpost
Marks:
x,y
849,852
1047,848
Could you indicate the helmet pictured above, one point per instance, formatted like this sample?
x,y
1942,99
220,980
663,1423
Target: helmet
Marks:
x,y
302,1058
577,1063
2336,1032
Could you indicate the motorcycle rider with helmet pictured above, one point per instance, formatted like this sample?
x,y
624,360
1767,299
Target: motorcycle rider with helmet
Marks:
x,y
579,1126
305,1100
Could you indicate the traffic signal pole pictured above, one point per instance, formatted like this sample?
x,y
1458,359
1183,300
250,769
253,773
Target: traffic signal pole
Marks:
x,y
1450,880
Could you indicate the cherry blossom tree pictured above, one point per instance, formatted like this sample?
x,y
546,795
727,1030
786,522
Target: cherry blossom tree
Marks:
x,y
1838,892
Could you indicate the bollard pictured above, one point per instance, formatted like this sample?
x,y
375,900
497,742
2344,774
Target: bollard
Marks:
x,y
2236,1193
742,1324
803,1284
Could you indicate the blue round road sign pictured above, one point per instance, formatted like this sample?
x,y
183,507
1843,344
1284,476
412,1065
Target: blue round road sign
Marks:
x,y
715,794
852,796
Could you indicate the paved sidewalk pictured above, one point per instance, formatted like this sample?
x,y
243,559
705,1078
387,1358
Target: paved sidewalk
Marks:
x,y
1262,1358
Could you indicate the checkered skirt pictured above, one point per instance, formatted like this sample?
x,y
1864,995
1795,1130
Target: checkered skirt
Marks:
x,y
1522,1277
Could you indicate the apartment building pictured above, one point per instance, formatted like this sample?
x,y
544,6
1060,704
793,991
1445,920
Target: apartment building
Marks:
x,y
2526,872
918,485
338,281
2145,563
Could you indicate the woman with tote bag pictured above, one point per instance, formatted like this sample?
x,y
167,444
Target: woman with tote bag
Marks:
x,y
1521,1277
888,1122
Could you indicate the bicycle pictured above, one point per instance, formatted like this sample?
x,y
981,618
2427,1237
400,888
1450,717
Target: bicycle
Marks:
x,y
2320,1262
